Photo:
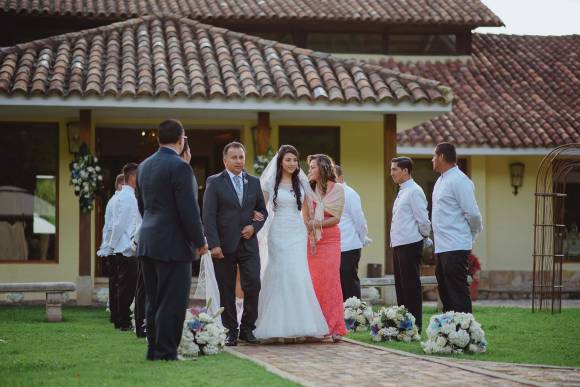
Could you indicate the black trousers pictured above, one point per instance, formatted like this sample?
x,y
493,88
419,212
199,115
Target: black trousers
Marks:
x,y
225,271
140,302
167,286
349,280
112,266
451,272
126,283
407,268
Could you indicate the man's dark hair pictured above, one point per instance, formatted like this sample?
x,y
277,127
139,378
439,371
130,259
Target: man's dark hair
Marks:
x,y
404,163
234,144
448,151
338,170
130,169
170,131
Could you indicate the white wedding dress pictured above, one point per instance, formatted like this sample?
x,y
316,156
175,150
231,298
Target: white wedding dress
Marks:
x,y
288,306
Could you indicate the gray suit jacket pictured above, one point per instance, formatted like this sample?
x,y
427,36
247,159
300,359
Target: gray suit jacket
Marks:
x,y
171,228
223,215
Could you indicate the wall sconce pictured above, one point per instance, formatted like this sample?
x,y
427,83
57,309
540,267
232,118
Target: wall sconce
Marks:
x,y
74,136
517,176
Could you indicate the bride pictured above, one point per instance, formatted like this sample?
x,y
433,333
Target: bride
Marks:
x,y
288,306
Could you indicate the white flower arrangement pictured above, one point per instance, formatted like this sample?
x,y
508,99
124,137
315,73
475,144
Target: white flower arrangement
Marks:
x,y
357,315
454,332
201,333
394,323
85,177
261,161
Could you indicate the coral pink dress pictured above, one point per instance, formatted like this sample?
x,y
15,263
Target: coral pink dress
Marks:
x,y
324,265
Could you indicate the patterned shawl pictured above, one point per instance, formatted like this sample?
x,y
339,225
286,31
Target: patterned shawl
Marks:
x,y
332,203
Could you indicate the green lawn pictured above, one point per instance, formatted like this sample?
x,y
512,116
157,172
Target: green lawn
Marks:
x,y
85,350
515,335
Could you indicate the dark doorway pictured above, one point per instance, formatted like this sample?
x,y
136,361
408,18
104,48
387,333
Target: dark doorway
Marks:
x,y
117,146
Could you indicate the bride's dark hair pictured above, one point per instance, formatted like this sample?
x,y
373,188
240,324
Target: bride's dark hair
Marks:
x,y
283,151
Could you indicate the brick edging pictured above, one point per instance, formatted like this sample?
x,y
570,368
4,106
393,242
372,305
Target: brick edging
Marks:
x,y
447,363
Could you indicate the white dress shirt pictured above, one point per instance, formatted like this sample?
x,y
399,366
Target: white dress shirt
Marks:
x,y
353,224
126,223
410,222
105,250
456,217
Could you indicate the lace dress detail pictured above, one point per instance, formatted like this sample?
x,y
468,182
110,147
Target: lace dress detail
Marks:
x,y
288,306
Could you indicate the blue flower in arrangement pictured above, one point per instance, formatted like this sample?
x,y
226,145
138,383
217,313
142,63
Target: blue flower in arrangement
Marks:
x,y
194,325
350,323
406,324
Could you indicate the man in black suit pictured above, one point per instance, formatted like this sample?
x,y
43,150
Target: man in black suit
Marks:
x,y
229,202
171,236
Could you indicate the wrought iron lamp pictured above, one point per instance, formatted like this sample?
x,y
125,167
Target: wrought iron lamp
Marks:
x,y
74,136
517,176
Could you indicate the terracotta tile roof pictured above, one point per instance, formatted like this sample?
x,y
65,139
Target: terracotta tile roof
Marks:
x,y
172,57
517,91
441,12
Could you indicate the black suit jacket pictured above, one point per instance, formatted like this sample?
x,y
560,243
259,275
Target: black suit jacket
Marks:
x,y
224,217
171,228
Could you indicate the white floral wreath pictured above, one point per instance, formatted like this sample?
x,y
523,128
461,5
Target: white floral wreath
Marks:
x,y
85,177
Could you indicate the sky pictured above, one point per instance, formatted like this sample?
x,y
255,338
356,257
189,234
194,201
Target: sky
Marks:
x,y
535,17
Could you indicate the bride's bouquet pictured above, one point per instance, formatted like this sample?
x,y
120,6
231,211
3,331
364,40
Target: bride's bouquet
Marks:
x,y
394,323
357,315
454,332
202,334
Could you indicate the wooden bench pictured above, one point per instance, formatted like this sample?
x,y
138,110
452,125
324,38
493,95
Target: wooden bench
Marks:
x,y
389,280
54,294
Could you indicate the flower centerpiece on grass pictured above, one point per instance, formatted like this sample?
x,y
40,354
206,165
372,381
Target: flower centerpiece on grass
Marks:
x,y
394,323
357,315
454,332
85,177
201,333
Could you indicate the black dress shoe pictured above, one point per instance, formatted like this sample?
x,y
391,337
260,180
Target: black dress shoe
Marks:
x,y
248,337
231,340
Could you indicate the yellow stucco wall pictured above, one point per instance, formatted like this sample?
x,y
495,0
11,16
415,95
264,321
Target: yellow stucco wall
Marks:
x,y
509,218
68,217
361,157
506,243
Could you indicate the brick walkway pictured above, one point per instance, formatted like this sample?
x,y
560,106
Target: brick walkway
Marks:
x,y
348,363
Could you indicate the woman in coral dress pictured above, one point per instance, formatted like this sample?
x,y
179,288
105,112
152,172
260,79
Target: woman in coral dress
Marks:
x,y
324,241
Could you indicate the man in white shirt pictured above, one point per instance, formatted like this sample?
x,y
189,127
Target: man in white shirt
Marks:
x,y
106,252
353,237
409,227
126,223
456,223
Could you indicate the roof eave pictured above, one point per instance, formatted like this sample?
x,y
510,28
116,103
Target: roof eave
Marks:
x,y
218,104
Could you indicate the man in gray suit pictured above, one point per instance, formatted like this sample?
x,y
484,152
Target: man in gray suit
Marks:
x,y
229,202
170,237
